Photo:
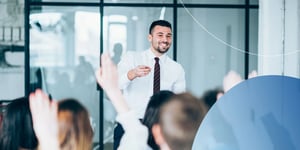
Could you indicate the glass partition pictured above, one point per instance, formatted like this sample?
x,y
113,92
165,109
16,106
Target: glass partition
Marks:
x,y
11,50
210,43
253,40
64,52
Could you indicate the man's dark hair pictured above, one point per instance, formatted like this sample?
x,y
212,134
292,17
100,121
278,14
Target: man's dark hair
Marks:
x,y
163,23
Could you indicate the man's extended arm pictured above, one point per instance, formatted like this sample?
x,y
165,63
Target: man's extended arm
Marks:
x,y
124,66
128,71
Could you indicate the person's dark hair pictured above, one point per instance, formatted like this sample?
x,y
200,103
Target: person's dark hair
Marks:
x,y
163,23
210,97
17,130
180,119
151,116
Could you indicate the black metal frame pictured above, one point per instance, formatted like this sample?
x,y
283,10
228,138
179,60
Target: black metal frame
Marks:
x,y
101,95
101,4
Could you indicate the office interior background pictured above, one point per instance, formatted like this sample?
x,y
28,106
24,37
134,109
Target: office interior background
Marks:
x,y
56,44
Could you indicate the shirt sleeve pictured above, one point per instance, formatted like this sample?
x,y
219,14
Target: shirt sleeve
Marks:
x,y
136,134
180,85
124,66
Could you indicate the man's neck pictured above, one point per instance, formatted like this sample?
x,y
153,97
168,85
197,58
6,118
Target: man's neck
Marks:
x,y
157,54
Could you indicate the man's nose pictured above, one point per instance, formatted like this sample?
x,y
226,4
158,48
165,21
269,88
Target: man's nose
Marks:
x,y
164,39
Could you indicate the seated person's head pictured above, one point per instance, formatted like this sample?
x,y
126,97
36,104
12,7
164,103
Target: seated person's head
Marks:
x,y
179,120
16,130
75,131
152,113
211,96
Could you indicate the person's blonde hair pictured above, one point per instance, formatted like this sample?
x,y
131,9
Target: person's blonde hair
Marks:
x,y
75,131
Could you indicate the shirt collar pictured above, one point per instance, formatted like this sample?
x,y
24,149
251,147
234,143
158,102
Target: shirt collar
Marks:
x,y
151,56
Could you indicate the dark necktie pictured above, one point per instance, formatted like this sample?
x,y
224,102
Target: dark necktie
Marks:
x,y
156,79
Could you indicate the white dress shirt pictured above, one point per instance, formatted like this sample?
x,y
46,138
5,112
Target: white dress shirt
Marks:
x,y
138,91
135,134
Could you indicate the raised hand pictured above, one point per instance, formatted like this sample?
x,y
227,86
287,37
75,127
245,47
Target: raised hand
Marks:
x,y
107,74
252,74
107,77
230,80
44,118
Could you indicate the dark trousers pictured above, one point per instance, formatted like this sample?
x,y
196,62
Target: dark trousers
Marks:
x,y
118,134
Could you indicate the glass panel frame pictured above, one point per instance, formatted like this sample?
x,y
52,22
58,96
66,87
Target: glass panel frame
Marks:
x,y
219,2
70,1
140,1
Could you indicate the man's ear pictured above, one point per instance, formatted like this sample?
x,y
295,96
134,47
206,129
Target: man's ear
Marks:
x,y
149,37
157,134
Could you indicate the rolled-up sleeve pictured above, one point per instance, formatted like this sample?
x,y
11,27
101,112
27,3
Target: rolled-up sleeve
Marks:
x,y
124,66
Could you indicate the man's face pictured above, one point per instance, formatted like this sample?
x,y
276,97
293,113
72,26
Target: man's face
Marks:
x,y
161,39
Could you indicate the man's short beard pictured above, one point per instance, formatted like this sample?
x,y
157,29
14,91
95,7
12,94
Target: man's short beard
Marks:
x,y
162,52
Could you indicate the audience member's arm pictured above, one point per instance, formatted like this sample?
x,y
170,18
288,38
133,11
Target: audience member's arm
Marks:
x,y
44,118
136,135
233,78
230,80
107,77
252,74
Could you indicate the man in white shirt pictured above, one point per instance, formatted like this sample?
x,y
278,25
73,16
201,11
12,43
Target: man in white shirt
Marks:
x,y
137,72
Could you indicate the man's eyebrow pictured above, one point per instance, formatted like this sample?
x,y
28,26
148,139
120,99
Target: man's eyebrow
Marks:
x,y
163,33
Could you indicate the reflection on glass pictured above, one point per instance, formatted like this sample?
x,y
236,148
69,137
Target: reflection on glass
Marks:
x,y
64,52
205,53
